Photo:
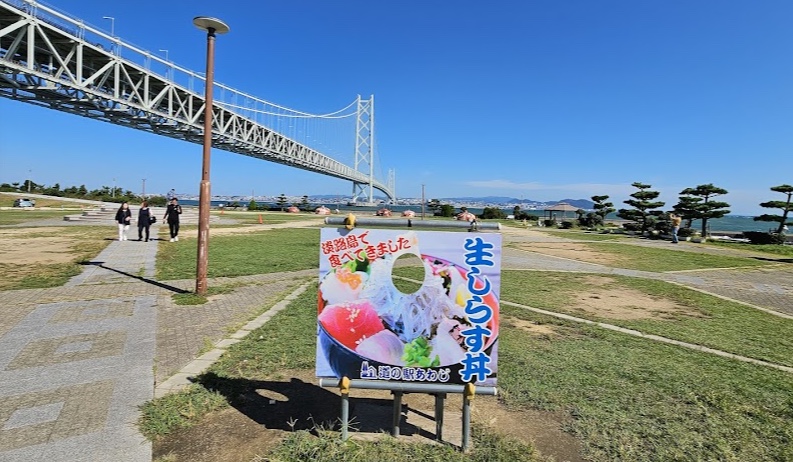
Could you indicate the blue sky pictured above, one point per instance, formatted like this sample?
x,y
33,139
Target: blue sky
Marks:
x,y
540,100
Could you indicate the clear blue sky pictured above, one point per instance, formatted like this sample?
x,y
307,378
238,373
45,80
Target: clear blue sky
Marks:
x,y
540,100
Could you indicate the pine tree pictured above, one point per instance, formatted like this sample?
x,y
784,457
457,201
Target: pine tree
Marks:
x,y
786,207
686,208
706,208
643,204
602,208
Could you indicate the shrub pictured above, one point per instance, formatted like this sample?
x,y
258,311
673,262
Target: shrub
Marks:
x,y
549,223
686,232
761,238
632,226
567,224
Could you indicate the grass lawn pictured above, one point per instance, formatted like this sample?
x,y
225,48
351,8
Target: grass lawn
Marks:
x,y
7,200
645,258
629,399
782,250
707,320
17,216
269,251
581,235
86,243
636,400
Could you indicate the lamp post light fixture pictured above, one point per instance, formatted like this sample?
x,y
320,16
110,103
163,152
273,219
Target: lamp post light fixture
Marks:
x,y
112,25
212,26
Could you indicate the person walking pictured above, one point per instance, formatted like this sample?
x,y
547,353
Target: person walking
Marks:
x,y
123,217
172,217
676,220
144,220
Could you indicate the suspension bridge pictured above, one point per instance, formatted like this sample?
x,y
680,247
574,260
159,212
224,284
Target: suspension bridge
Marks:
x,y
51,59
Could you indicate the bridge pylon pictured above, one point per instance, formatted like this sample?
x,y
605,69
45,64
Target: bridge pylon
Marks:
x,y
364,151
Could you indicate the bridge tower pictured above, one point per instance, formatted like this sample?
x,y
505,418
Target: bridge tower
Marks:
x,y
392,183
364,150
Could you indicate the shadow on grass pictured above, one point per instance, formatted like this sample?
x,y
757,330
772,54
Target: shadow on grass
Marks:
x,y
101,264
298,405
775,260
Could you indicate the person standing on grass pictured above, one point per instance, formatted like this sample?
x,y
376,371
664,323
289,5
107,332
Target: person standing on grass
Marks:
x,y
675,219
144,220
123,217
172,217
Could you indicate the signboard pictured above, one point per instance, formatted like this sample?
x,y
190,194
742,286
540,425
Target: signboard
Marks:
x,y
445,332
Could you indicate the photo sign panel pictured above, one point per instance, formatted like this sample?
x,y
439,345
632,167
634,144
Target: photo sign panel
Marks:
x,y
445,332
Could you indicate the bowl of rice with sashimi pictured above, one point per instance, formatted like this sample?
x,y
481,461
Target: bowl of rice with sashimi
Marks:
x,y
363,317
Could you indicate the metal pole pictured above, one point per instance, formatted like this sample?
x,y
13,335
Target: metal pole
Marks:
x,y
468,396
30,174
143,189
344,389
204,194
397,416
439,397
113,192
211,26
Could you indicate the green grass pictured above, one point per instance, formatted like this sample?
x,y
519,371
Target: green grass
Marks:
x,y
707,320
635,400
710,321
268,251
15,217
645,258
328,447
629,399
582,235
192,298
781,250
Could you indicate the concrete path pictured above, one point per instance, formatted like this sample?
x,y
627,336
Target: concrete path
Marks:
x,y
73,372
77,361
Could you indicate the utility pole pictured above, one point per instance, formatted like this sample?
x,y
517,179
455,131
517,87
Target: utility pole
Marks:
x,y
30,174
143,192
113,192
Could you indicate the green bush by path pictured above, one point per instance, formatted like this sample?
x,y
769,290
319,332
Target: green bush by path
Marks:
x,y
637,400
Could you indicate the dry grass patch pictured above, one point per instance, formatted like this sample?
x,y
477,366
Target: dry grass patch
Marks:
x,y
602,298
533,328
572,250
47,256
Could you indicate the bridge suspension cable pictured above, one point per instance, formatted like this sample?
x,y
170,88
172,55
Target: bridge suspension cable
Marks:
x,y
51,59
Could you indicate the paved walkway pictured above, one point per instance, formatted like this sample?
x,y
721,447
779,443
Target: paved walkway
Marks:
x,y
77,361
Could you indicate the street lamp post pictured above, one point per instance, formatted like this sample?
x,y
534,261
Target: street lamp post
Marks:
x,y
112,25
143,190
212,26
30,174
113,192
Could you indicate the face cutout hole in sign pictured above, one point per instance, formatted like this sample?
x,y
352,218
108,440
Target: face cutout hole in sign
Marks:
x,y
408,285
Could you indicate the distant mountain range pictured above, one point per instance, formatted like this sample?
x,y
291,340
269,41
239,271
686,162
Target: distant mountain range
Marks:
x,y
498,200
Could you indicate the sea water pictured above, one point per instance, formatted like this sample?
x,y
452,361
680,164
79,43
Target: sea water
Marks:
x,y
733,223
